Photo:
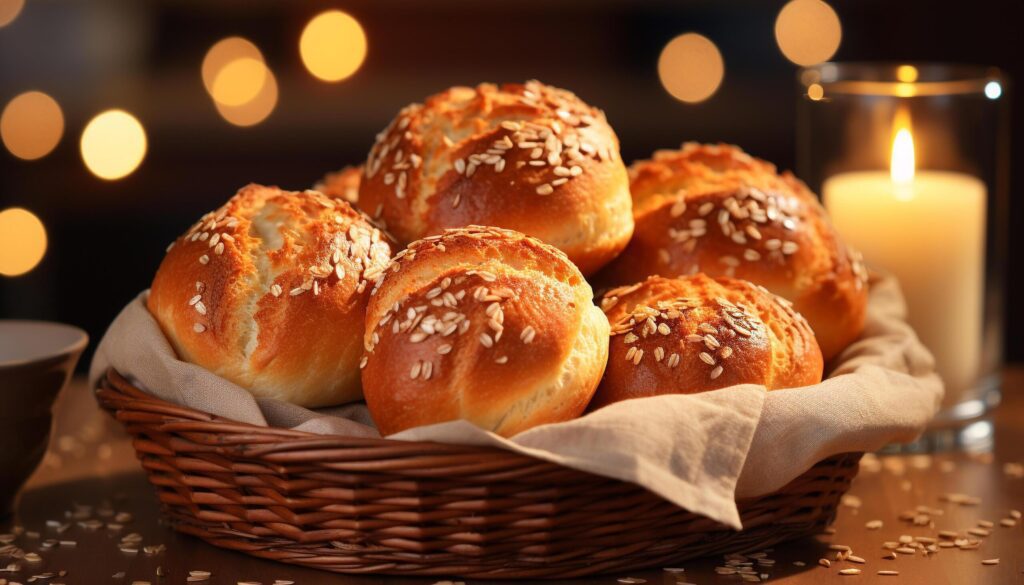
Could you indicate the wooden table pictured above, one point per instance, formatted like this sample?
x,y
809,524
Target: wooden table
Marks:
x,y
91,474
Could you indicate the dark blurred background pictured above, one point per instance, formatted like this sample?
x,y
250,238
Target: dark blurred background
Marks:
x,y
106,238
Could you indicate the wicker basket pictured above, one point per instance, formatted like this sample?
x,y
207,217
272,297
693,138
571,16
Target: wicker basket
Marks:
x,y
395,507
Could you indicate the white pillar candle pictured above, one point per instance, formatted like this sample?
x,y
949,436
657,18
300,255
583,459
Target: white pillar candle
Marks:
x,y
927,228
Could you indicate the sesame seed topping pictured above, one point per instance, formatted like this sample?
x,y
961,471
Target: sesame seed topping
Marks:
x,y
545,189
706,358
198,327
528,334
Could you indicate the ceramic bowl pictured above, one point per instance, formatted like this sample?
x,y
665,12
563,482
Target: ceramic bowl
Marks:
x,y
36,361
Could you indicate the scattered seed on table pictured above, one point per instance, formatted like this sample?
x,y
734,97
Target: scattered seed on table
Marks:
x,y
873,525
889,573
839,547
855,559
849,572
990,562
825,562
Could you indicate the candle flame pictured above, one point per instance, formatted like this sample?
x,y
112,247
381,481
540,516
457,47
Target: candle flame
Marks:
x,y
901,166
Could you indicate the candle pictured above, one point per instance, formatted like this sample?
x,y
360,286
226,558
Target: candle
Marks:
x,y
928,229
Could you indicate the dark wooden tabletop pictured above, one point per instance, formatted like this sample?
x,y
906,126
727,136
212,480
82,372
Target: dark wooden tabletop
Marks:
x,y
90,496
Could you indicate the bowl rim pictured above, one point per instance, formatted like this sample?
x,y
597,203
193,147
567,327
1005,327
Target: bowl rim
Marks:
x,y
77,345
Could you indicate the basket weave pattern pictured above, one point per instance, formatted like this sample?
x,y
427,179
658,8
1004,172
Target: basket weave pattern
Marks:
x,y
355,505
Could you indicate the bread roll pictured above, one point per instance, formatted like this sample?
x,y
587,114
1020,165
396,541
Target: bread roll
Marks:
x,y
717,210
695,333
485,325
270,290
527,157
343,184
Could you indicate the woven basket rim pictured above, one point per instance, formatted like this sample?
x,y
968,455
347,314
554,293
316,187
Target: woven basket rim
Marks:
x,y
207,422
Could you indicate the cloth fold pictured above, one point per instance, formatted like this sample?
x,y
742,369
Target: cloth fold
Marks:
x,y
700,451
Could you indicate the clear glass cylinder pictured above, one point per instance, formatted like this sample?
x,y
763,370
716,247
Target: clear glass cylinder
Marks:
x,y
911,160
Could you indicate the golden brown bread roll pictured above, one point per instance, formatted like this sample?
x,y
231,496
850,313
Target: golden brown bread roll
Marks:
x,y
270,290
527,157
695,333
717,210
343,184
481,324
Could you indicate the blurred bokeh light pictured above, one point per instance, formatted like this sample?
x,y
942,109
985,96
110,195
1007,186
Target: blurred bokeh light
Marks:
x,y
239,82
31,125
333,45
808,31
113,144
224,52
22,241
906,73
691,68
255,110
9,10
993,90
815,91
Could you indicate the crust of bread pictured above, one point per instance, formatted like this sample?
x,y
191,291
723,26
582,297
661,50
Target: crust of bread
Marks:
x,y
715,209
269,291
482,324
527,157
696,333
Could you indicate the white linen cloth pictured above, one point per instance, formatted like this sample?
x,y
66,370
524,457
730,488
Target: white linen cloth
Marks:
x,y
700,451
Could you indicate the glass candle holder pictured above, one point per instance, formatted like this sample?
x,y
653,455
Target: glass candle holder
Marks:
x,y
911,161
